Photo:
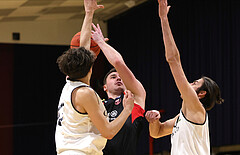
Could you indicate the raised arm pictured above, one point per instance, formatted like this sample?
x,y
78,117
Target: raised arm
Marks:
x,y
86,101
158,129
90,6
190,98
117,61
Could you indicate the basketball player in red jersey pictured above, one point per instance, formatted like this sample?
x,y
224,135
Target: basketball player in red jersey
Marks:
x,y
116,81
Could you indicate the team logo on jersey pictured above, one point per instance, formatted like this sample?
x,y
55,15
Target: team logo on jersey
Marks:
x,y
178,120
60,114
175,127
117,101
113,113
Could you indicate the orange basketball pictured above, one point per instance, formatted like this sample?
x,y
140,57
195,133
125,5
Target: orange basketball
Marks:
x,y
76,40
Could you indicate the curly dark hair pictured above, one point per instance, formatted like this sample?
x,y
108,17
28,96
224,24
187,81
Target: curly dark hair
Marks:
x,y
213,93
76,62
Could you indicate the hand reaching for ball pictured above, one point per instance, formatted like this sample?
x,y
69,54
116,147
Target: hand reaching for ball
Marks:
x,y
97,34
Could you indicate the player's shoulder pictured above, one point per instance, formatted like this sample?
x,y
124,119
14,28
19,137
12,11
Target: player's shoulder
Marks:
x,y
85,97
85,92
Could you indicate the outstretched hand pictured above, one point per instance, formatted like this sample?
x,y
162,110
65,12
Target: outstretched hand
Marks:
x,y
152,116
97,34
91,5
163,8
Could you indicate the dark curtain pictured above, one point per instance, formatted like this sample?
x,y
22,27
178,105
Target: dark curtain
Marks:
x,y
31,84
6,96
37,87
207,33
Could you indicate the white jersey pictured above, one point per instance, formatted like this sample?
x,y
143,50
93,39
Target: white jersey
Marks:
x,y
190,138
75,132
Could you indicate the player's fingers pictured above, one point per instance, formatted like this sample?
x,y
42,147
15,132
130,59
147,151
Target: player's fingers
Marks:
x,y
100,6
150,114
98,26
126,94
168,8
106,39
94,27
99,29
147,115
131,94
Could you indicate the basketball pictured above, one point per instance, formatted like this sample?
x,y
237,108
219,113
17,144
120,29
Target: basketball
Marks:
x,y
76,40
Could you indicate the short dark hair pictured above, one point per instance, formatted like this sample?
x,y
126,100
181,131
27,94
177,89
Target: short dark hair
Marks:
x,y
213,94
109,72
76,62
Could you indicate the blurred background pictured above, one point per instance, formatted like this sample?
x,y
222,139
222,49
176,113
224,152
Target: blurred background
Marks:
x,y
33,33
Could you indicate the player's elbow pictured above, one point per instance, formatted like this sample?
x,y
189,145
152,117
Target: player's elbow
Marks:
x,y
172,57
118,62
153,135
108,135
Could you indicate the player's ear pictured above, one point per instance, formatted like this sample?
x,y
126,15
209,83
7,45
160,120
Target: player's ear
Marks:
x,y
202,94
105,87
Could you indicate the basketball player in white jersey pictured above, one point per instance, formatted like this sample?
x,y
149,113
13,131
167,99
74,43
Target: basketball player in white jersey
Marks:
x,y
82,125
189,129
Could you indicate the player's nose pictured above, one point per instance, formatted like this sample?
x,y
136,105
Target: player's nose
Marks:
x,y
119,78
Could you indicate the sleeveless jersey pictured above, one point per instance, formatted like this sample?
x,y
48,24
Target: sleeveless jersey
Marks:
x,y
190,138
125,141
75,133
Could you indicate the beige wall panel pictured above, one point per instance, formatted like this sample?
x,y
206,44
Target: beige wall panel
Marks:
x,y
43,32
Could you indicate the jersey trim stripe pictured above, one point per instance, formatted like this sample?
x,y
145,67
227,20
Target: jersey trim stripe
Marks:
x,y
72,101
137,111
194,122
